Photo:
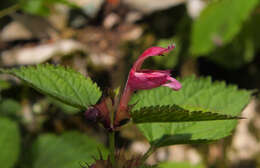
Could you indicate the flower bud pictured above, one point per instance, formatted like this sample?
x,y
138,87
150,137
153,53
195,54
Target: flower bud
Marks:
x,y
100,113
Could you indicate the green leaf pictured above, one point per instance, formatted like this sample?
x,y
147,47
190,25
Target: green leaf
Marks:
x,y
174,113
4,85
61,83
241,51
219,23
65,151
9,143
180,165
64,107
68,3
148,166
195,94
9,107
253,29
42,7
243,47
37,7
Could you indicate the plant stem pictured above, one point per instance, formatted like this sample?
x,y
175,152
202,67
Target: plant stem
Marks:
x,y
147,154
112,148
9,10
112,139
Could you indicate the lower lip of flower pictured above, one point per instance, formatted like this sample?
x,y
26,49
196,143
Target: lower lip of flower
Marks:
x,y
149,79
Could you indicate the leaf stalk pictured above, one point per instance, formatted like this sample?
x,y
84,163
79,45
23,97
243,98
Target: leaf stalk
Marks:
x,y
147,154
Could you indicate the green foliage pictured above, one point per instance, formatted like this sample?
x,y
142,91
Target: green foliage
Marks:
x,y
196,94
252,29
147,166
61,83
67,150
180,165
235,54
9,107
9,143
219,23
243,47
38,7
175,165
174,113
41,7
4,85
64,107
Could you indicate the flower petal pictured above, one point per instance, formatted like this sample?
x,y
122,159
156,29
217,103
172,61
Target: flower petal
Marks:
x,y
173,84
153,51
147,79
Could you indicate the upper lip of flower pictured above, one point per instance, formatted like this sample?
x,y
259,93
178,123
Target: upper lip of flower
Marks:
x,y
148,79
152,51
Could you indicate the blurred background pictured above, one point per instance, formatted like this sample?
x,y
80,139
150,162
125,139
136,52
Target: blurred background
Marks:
x,y
101,39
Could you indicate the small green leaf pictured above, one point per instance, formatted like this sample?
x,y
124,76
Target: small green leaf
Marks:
x,y
196,94
65,151
218,24
9,143
174,113
61,83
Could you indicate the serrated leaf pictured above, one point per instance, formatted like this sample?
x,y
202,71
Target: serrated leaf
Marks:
x,y
61,83
64,107
195,94
219,23
65,151
9,143
174,113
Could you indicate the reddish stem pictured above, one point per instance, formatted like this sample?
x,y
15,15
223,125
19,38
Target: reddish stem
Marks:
x,y
122,110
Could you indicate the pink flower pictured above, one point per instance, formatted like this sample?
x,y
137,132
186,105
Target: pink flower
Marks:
x,y
140,79
148,79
